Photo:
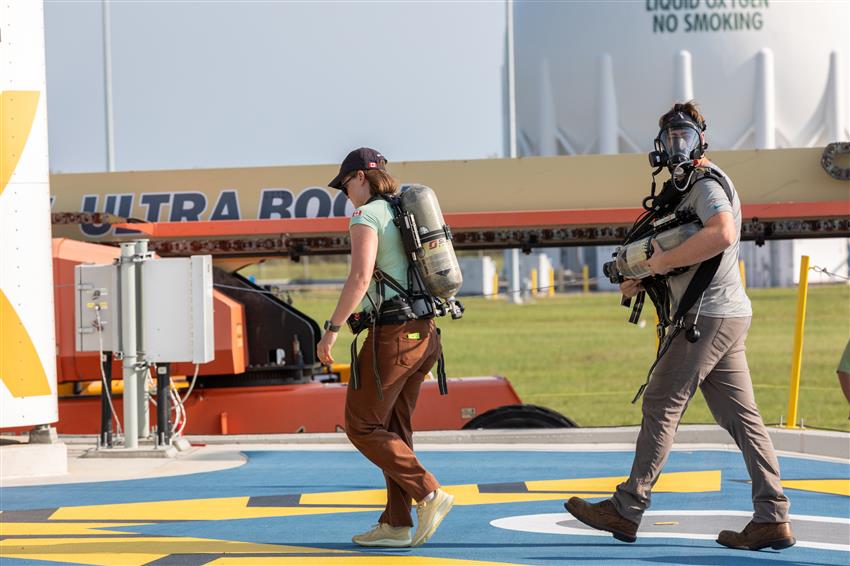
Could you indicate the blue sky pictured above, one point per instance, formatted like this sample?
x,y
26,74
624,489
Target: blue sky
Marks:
x,y
239,83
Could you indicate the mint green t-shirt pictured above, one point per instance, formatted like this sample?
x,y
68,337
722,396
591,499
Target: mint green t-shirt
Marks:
x,y
391,259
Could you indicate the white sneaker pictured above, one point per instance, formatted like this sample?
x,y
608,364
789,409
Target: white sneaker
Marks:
x,y
384,535
430,514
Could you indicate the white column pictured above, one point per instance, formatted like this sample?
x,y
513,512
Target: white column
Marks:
x,y
548,122
765,101
513,276
607,118
683,82
607,134
780,252
835,109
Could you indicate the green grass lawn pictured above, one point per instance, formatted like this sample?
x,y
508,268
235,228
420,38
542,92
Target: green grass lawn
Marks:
x,y
577,354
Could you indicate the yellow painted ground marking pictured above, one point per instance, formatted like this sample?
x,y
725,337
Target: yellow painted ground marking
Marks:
x,y
360,497
220,509
20,366
135,551
492,498
467,494
688,482
227,508
676,482
835,487
17,111
96,550
16,529
666,523
600,485
364,560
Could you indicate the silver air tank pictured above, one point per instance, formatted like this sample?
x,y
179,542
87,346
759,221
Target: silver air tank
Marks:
x,y
631,259
436,259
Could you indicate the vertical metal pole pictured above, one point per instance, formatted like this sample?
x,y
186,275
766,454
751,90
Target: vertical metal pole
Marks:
x,y
143,397
105,409
107,84
127,273
511,256
797,353
163,412
512,133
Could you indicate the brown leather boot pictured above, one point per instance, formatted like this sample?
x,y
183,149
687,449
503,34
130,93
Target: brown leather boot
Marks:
x,y
756,536
602,516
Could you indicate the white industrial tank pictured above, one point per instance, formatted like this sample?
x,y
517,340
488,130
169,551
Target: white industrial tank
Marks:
x,y
766,73
594,76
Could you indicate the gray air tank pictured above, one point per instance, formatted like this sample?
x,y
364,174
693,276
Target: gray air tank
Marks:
x,y
436,258
631,259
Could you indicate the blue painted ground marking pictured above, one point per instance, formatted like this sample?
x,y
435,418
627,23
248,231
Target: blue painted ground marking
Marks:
x,y
467,532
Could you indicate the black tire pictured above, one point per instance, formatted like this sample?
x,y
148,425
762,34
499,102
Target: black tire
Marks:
x,y
520,416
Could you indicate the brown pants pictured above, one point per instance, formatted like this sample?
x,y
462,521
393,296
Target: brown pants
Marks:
x,y
381,429
717,364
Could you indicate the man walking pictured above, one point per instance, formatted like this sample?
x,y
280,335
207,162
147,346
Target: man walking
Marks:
x,y
711,355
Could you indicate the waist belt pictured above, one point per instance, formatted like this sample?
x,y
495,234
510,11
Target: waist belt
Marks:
x,y
362,320
394,312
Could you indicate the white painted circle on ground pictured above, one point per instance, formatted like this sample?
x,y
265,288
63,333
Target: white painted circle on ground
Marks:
x,y
811,531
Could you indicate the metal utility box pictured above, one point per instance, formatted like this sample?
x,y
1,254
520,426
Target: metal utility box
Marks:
x,y
96,308
177,310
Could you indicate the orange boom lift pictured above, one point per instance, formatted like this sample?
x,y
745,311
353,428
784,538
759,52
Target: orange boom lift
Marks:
x,y
265,378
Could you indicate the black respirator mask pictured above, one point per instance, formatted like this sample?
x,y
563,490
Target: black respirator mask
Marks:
x,y
678,146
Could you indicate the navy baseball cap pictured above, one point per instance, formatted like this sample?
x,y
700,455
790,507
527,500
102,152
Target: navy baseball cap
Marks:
x,y
360,159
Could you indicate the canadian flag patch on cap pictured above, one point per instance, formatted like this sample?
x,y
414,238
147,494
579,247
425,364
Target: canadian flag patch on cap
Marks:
x,y
372,165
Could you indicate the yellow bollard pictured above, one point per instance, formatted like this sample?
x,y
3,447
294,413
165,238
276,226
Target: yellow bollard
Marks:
x,y
534,282
551,291
585,279
797,353
742,267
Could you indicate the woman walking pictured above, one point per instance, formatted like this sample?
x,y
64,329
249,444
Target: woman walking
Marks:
x,y
393,362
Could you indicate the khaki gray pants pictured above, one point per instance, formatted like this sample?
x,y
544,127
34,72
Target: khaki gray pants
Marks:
x,y
381,429
717,363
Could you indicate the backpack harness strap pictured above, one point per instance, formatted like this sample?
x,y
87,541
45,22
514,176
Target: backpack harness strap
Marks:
x,y
376,317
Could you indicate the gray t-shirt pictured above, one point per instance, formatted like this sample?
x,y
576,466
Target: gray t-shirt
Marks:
x,y
725,296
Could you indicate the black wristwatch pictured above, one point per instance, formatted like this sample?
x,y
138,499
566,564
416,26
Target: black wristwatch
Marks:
x,y
331,327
